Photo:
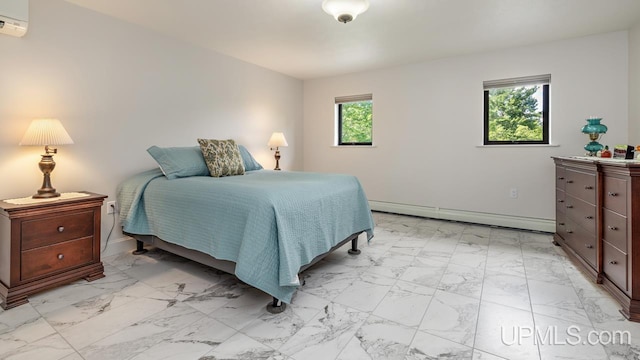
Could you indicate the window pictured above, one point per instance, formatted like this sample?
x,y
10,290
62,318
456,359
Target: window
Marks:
x,y
354,120
516,111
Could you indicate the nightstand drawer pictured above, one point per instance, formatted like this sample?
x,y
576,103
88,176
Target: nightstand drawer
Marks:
x,y
49,259
55,229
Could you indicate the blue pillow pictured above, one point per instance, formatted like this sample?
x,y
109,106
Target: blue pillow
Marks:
x,y
177,162
249,162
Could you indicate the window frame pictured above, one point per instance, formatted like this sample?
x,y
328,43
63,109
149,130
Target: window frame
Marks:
x,y
545,81
339,101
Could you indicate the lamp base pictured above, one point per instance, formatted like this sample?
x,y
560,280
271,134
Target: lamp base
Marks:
x,y
46,165
46,194
277,156
593,147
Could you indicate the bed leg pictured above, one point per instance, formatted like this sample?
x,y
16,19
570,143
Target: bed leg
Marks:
x,y
354,247
276,306
139,248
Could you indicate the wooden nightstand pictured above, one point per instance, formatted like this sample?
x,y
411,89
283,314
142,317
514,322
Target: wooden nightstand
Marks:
x,y
46,244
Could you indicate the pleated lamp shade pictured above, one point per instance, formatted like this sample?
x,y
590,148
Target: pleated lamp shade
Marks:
x,y
277,140
46,132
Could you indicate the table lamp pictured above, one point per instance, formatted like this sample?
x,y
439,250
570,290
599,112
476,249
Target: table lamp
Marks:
x,y
277,140
594,130
46,132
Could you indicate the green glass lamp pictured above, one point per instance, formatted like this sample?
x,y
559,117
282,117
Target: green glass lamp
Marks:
x,y
594,130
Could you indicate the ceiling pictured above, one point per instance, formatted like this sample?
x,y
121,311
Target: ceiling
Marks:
x,y
297,38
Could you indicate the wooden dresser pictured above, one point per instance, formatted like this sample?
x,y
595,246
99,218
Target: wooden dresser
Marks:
x,y
598,223
47,244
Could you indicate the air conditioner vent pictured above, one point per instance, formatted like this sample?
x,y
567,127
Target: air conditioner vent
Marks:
x,y
14,17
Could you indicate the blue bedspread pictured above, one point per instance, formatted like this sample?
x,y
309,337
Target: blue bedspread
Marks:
x,y
269,223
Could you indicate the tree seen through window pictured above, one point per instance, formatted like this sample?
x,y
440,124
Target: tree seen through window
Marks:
x,y
515,114
355,123
516,110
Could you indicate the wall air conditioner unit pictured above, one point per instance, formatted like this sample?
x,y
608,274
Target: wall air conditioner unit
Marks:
x,y
14,17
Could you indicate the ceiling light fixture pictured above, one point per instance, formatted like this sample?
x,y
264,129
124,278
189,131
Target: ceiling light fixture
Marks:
x,y
345,10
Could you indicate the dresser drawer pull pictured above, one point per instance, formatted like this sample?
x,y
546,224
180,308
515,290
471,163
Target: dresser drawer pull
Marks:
x,y
613,262
588,187
561,178
589,217
612,194
569,206
60,256
561,224
569,181
60,229
569,231
588,246
560,201
614,228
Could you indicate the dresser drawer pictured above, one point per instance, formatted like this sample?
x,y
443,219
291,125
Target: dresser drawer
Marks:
x,y
615,265
581,241
49,259
614,229
560,177
55,229
560,221
560,201
561,227
581,212
581,185
615,194
585,245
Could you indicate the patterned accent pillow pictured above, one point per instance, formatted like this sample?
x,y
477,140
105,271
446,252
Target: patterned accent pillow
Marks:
x,y
222,157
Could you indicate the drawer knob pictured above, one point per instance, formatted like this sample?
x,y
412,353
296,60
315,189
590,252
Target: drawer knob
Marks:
x,y
60,229
614,228
560,201
569,181
612,194
561,178
569,206
588,187
569,231
60,256
561,224
588,246
588,217
613,262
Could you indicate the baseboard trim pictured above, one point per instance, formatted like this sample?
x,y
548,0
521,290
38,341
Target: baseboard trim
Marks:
x,y
118,245
519,222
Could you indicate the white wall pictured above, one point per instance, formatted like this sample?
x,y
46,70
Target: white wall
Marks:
x,y
428,126
634,85
119,89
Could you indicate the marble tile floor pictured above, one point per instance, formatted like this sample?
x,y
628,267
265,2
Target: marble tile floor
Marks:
x,y
421,289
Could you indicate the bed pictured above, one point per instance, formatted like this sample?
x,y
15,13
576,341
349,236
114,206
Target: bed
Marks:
x,y
265,227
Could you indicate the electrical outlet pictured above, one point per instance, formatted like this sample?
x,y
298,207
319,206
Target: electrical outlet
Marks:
x,y
513,193
111,207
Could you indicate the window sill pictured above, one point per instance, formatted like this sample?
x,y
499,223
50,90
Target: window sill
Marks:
x,y
518,145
